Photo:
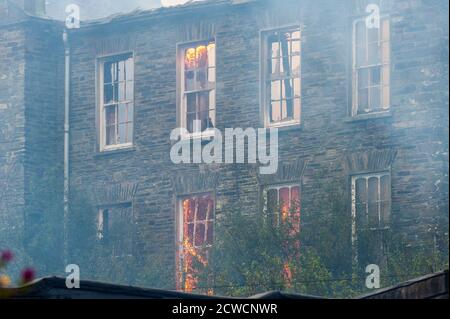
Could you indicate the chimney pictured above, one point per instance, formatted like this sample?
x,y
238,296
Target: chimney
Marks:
x,y
34,7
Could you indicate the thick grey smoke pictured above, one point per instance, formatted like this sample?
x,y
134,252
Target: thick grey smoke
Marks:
x,y
92,9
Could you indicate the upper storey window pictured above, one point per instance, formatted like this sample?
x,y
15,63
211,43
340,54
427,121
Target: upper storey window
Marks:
x,y
116,100
198,87
281,92
371,67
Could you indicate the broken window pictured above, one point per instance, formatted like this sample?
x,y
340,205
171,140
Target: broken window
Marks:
x,y
282,77
371,68
115,229
116,101
196,234
371,209
199,86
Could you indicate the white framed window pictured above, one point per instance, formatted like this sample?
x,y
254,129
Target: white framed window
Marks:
x,y
116,101
371,68
371,202
115,229
281,77
197,85
196,218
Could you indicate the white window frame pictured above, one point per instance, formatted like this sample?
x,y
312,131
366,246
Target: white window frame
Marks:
x,y
181,100
100,102
355,78
264,78
368,176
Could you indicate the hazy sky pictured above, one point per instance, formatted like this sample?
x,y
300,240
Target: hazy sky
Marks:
x,y
91,9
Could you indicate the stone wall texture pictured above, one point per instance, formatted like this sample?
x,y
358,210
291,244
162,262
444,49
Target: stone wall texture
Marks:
x,y
412,142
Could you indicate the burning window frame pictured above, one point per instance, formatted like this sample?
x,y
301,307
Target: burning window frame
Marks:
x,y
187,253
208,71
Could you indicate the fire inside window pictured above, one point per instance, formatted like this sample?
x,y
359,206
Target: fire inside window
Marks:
x,y
117,101
283,203
199,86
371,68
283,86
196,236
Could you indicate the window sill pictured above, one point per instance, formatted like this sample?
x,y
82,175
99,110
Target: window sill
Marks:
x,y
205,136
366,117
122,150
285,127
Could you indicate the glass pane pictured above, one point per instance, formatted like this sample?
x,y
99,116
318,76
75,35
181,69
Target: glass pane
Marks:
x,y
203,110
108,72
372,35
375,98
121,71
296,35
375,76
285,200
211,76
275,90
297,87
296,65
385,199
121,92
295,199
129,132
108,94
123,113
110,135
189,67
211,55
202,65
360,202
203,204
276,111
373,202
295,46
275,49
363,101
188,210
129,91
190,234
210,233
276,68
374,53
199,234
363,78
360,44
121,137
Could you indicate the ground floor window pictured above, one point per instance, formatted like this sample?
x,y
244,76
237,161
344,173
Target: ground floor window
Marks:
x,y
115,229
195,236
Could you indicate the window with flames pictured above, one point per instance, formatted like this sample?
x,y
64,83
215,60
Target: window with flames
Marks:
x,y
198,87
196,235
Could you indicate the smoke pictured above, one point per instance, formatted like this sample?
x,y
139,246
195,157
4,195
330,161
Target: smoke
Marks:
x,y
93,9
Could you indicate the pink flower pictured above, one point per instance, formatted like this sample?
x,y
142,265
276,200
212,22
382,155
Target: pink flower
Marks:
x,y
27,275
6,256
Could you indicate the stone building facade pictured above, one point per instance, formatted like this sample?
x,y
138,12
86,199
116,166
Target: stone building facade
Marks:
x,y
385,141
